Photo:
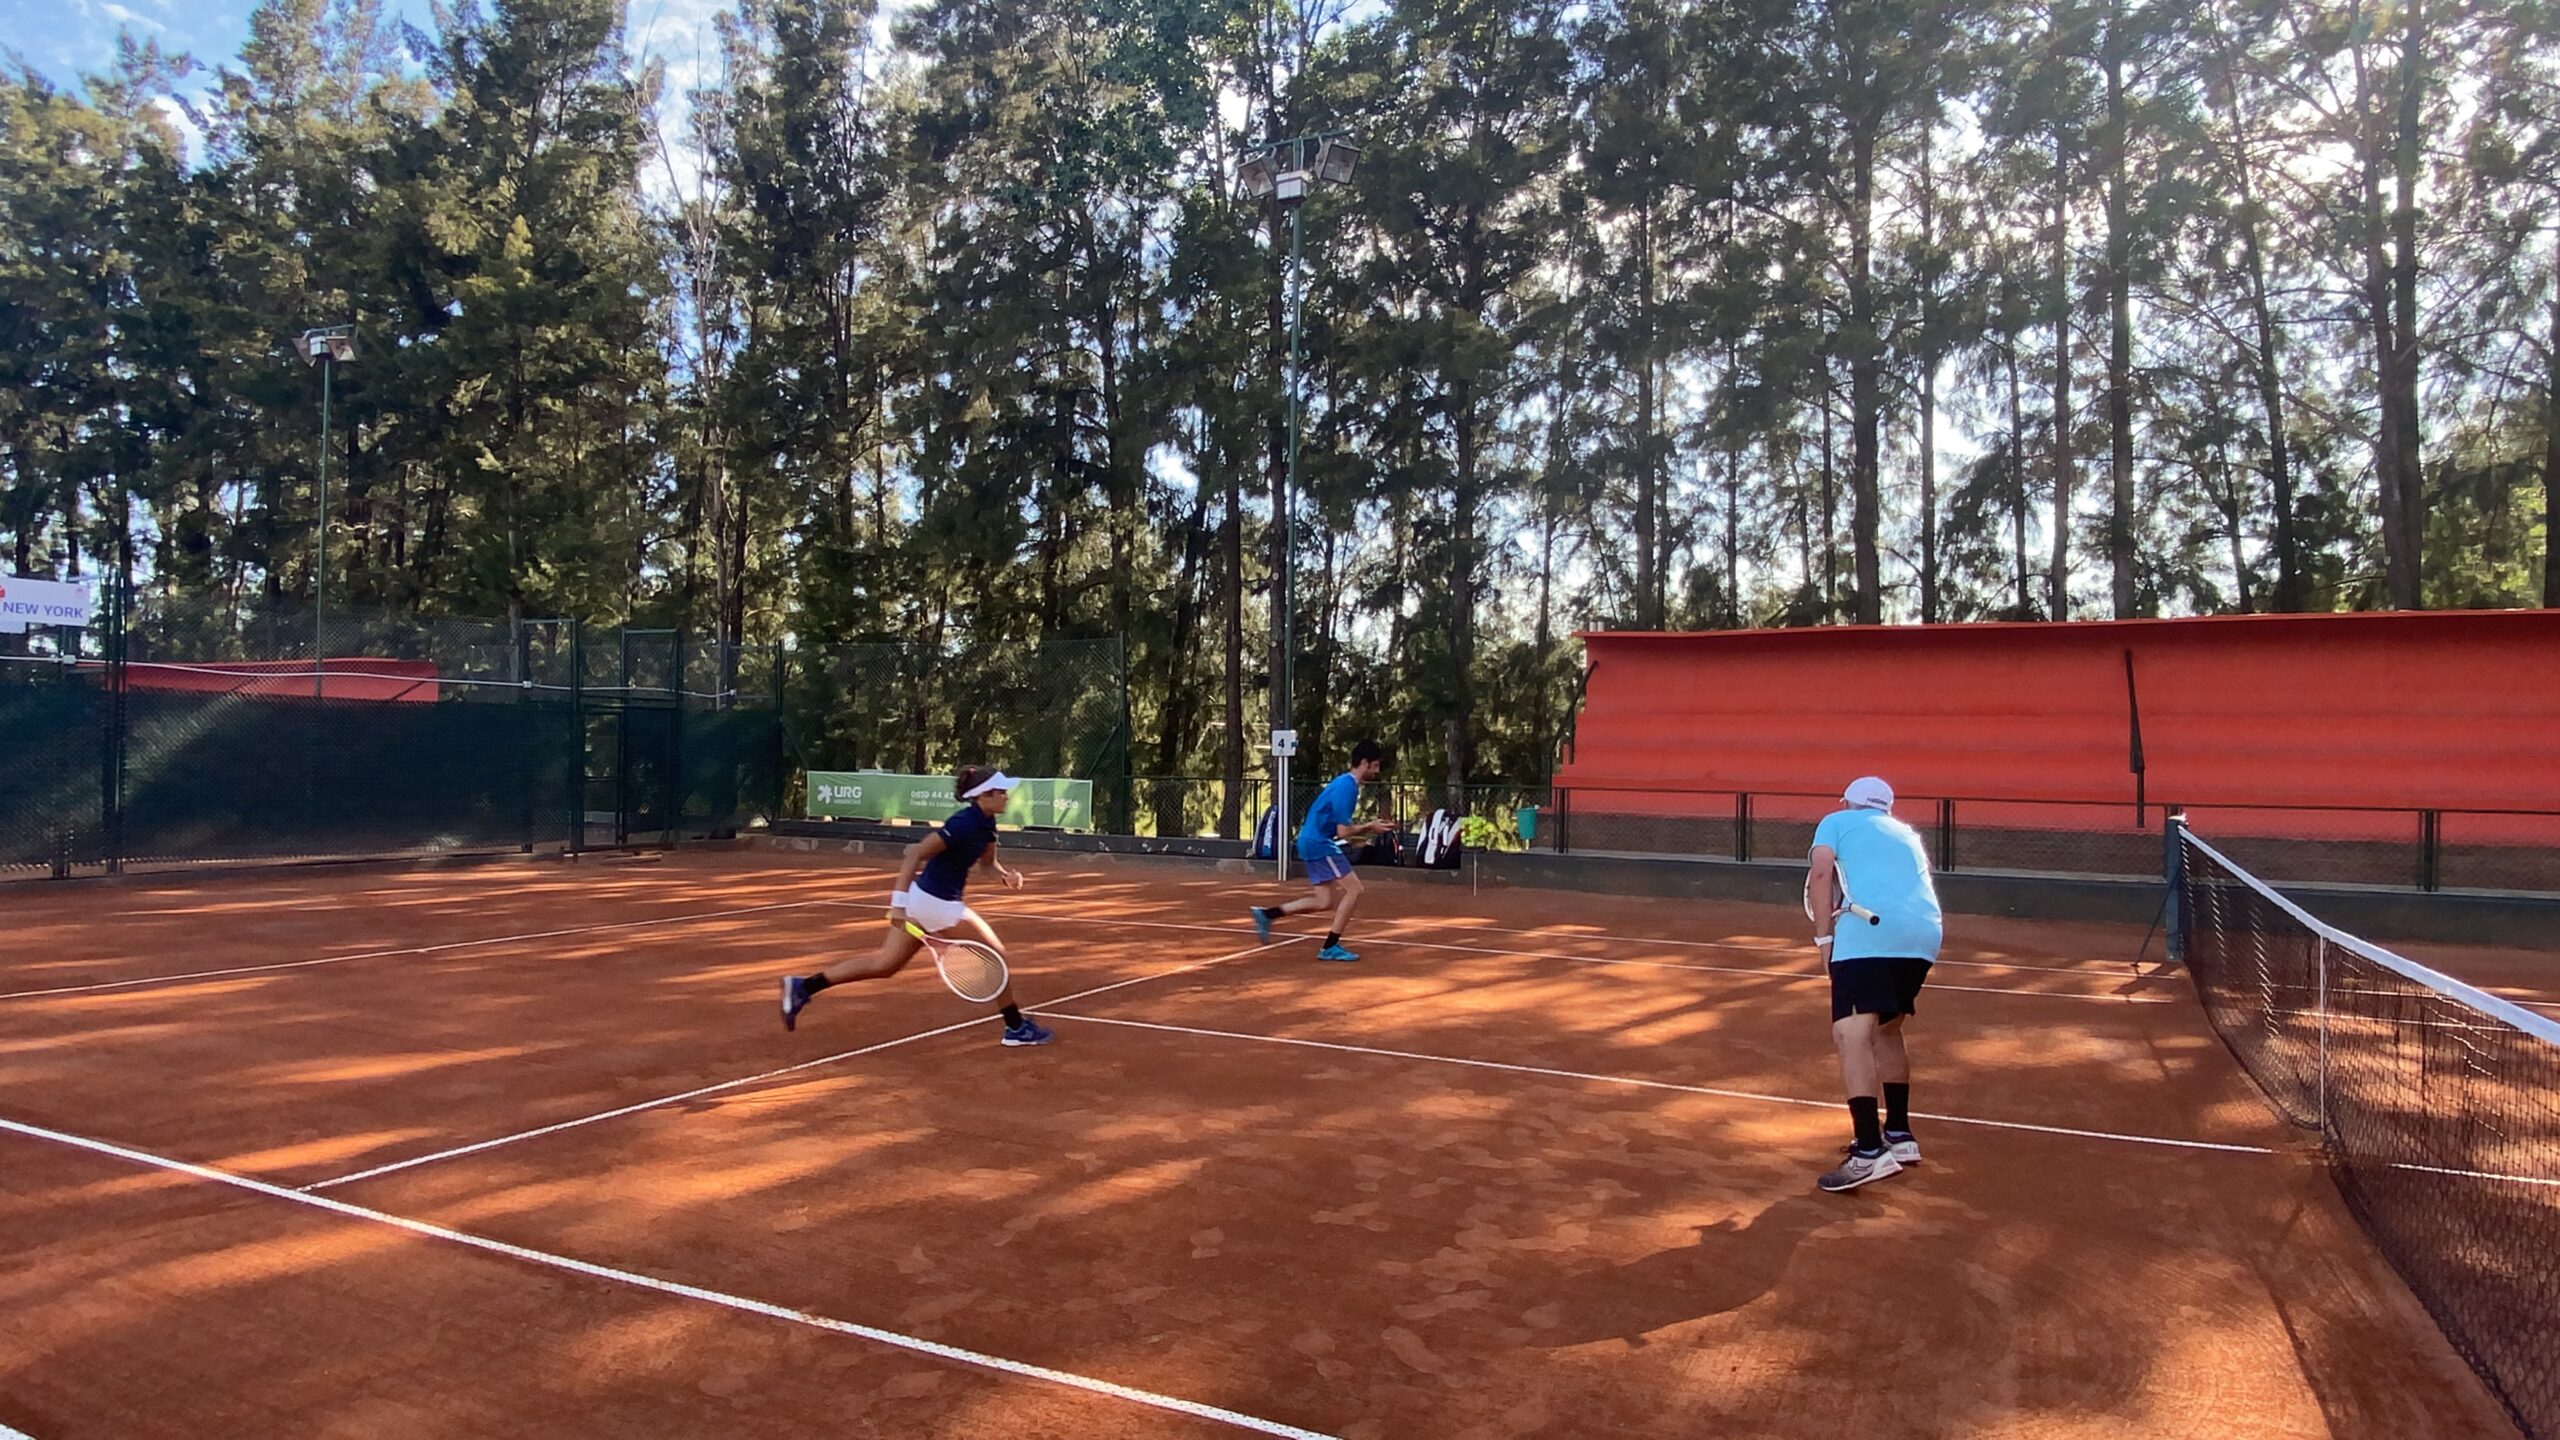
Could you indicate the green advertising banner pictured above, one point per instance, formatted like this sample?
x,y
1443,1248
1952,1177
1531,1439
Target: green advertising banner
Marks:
x,y
876,795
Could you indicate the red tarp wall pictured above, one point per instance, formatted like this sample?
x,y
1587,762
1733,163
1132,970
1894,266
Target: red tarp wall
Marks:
x,y
2448,711
351,678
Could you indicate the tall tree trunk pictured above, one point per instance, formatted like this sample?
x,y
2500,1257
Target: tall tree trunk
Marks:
x,y
1866,383
2120,325
2407,160
1648,478
1462,593
1733,534
2018,480
2266,365
1830,510
1231,579
2551,442
1928,370
2058,602
2234,505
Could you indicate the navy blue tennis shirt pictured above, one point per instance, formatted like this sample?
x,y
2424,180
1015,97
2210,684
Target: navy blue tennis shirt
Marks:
x,y
965,838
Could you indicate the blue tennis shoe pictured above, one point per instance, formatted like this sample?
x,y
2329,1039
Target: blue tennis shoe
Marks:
x,y
1336,952
1029,1032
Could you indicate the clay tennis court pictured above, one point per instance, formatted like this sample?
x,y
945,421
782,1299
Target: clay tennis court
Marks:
x,y
522,1149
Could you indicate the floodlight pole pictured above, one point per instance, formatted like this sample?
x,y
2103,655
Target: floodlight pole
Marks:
x,y
320,573
327,347
1288,183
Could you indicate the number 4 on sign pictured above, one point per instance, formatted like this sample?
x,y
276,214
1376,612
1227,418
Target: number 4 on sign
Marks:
x,y
1284,743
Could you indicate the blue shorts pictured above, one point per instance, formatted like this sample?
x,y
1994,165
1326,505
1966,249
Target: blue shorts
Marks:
x,y
1325,869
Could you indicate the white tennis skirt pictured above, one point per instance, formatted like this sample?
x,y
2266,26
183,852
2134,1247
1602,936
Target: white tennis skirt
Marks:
x,y
932,912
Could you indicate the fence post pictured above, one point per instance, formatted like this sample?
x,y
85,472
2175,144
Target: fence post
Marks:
x,y
577,736
781,737
2430,848
119,737
1564,820
1947,834
529,729
1742,826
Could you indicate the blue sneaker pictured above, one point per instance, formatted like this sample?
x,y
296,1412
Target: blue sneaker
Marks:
x,y
1262,924
795,998
1029,1032
1336,952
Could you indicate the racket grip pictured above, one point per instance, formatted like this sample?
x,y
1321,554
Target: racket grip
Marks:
x,y
1863,913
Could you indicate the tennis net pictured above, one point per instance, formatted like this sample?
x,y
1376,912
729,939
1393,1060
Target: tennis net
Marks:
x,y
2437,1104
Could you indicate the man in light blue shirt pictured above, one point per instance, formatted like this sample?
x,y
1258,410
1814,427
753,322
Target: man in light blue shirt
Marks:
x,y
1876,919
1329,823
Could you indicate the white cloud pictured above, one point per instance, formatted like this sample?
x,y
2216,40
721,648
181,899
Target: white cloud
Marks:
x,y
123,16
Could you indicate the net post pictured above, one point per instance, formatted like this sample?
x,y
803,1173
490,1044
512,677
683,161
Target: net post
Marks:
x,y
2173,872
2320,1010
2430,849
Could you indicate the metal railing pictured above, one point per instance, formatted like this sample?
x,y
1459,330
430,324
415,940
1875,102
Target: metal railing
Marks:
x,y
2425,849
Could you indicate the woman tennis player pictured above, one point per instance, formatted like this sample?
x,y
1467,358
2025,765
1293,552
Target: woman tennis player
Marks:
x,y
931,880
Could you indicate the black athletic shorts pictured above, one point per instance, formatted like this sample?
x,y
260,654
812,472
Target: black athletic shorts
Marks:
x,y
1880,987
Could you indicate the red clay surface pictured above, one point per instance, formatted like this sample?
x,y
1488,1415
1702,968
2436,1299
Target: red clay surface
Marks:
x,y
1603,1226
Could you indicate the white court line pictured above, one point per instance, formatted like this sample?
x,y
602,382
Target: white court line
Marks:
x,y
680,1290
1628,1080
1766,972
411,950
725,1085
8,1434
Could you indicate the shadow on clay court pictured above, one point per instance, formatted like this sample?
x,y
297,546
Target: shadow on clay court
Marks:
x,y
1732,1264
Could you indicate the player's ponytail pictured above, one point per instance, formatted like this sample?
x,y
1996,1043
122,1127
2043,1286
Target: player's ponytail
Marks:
x,y
968,779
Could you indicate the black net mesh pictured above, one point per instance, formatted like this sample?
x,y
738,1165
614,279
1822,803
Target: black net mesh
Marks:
x,y
2438,1107
225,731
53,788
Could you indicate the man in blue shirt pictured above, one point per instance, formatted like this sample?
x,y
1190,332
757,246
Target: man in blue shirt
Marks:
x,y
1870,867
1320,849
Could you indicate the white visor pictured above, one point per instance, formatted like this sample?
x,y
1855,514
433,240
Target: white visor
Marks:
x,y
997,781
1868,792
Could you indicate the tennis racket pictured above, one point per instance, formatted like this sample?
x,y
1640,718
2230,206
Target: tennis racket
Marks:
x,y
975,972
1848,906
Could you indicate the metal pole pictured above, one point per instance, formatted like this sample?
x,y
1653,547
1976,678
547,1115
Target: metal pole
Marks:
x,y
320,581
1280,582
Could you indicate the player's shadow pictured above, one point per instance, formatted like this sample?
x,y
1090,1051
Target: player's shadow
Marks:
x,y
1732,1264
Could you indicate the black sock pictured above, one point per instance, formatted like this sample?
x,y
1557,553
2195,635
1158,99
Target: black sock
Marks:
x,y
1332,938
816,983
1862,1114
1013,1017
1897,1107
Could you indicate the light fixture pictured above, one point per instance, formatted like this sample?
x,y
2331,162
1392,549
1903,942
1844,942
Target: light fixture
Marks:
x,y
1257,175
1335,160
1290,187
337,343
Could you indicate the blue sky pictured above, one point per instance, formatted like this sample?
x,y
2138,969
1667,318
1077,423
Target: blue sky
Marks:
x,y
66,38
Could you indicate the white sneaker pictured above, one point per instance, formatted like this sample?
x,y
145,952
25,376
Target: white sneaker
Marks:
x,y
1904,1149
1860,1169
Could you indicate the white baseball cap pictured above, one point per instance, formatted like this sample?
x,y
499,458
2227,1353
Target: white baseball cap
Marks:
x,y
1868,792
1002,781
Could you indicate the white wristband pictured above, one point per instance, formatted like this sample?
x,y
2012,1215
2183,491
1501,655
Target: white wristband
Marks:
x,y
897,899
1821,939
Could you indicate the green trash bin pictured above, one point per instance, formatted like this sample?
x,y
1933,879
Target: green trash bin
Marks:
x,y
1528,818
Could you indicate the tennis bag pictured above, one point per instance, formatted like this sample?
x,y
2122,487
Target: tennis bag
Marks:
x,y
1438,842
